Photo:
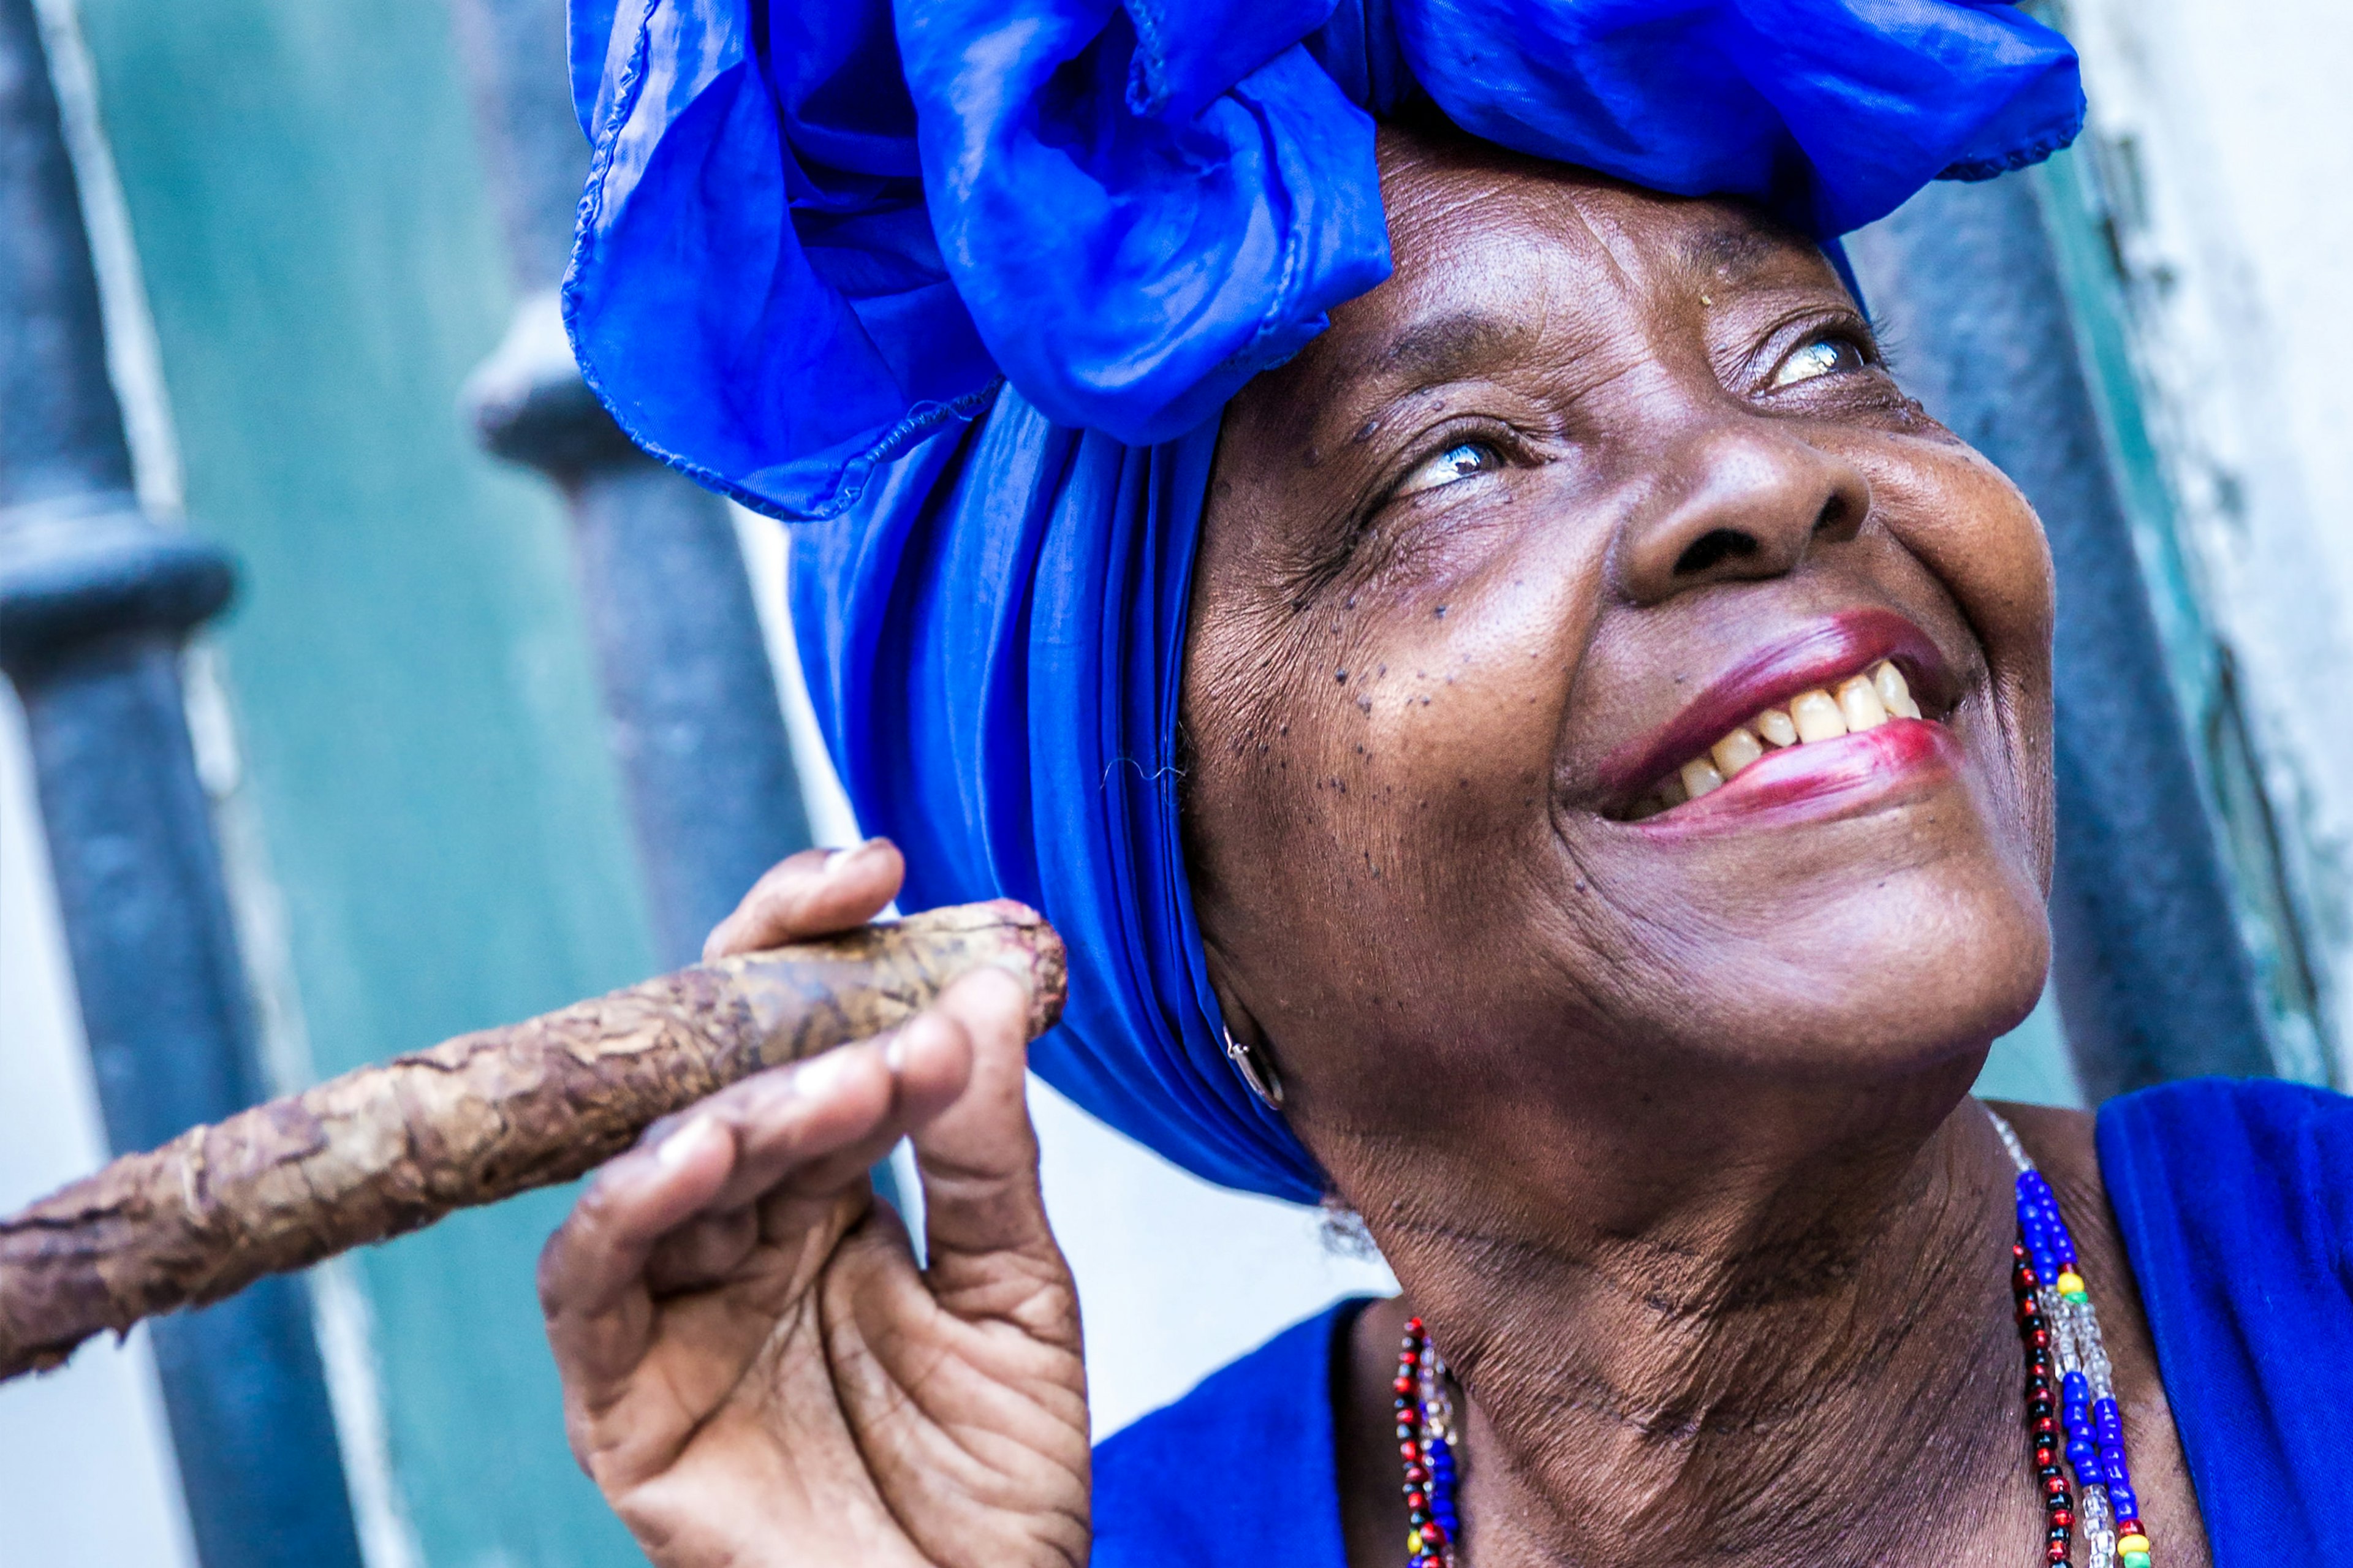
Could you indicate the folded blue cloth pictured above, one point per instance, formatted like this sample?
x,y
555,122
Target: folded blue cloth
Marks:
x,y
820,239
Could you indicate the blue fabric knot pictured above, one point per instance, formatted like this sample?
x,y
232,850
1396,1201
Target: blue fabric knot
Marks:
x,y
1130,210
964,286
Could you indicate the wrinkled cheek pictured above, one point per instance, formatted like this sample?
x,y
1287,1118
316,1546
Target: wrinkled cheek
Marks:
x,y
1970,526
1434,775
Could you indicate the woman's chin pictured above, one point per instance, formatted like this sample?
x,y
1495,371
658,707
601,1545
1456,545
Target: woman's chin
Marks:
x,y
1876,907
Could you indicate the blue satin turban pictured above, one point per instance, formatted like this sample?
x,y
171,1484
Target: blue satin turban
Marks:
x,y
961,285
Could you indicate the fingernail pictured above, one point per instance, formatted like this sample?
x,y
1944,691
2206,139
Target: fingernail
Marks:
x,y
841,858
820,1075
681,1145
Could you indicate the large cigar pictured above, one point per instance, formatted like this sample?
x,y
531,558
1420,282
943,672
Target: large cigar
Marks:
x,y
386,1150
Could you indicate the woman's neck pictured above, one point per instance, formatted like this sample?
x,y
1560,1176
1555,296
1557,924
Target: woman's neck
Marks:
x,y
1795,1355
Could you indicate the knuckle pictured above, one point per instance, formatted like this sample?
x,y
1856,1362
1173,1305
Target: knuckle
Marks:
x,y
549,1276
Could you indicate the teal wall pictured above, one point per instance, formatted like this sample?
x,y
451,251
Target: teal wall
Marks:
x,y
406,663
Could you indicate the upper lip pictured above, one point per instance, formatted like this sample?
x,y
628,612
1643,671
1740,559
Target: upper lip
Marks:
x,y
1817,654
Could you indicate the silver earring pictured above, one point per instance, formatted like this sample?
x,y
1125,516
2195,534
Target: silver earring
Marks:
x,y
1256,1071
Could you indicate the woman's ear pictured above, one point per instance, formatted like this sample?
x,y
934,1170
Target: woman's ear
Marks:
x,y
1245,1043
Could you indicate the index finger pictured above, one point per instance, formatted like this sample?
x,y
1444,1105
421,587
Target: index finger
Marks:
x,y
813,893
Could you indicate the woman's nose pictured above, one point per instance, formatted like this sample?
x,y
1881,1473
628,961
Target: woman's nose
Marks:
x,y
1737,500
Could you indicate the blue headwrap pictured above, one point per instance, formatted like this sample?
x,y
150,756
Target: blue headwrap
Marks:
x,y
963,285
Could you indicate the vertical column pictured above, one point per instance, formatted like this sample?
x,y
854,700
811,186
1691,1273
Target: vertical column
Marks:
x,y
95,602
2153,981
688,691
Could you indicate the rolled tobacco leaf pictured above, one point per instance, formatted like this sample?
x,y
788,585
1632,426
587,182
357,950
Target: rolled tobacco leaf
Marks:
x,y
386,1150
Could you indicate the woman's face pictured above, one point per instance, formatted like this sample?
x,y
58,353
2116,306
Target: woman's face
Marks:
x,y
1596,483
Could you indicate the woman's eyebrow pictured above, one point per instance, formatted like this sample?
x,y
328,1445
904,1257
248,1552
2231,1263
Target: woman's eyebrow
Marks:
x,y
1443,347
1735,252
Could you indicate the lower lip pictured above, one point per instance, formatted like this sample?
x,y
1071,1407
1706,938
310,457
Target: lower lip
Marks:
x,y
1822,779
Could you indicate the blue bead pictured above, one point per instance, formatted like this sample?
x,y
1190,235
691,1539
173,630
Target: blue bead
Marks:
x,y
2122,1501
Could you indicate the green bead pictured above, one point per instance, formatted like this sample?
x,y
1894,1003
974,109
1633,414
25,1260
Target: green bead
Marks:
x,y
2079,1296
2136,1560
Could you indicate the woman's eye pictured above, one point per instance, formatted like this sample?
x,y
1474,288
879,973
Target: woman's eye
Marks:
x,y
1460,461
1825,356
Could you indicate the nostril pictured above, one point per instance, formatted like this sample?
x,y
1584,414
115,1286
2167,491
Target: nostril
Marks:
x,y
1835,512
1713,548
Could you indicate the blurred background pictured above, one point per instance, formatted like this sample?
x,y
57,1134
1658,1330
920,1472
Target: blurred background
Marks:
x,y
364,688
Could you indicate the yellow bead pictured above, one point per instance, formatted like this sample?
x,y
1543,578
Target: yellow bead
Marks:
x,y
2133,1543
1413,1543
2069,1282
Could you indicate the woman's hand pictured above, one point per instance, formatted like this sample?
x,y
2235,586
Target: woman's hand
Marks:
x,y
754,1369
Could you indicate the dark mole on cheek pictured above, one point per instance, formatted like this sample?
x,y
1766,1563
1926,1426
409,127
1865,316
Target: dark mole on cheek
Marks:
x,y
1440,612
1314,457
1366,431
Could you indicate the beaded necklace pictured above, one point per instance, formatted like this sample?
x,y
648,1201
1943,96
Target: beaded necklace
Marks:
x,y
2056,1324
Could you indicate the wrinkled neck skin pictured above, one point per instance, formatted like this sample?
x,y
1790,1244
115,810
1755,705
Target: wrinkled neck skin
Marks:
x,y
1618,803
1781,1336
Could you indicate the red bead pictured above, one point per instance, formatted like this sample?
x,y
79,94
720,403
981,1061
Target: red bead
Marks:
x,y
2056,1551
1413,1325
2061,1518
1434,1533
2129,1527
1415,1499
1409,1450
1416,1475
2041,1338
2046,1427
2056,1486
1402,1386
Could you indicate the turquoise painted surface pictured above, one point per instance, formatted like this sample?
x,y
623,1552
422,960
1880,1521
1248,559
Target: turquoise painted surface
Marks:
x,y
2031,1064
407,666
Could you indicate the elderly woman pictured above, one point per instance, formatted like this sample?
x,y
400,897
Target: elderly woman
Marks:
x,y
1392,528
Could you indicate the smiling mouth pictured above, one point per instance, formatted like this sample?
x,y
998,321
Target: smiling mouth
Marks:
x,y
1864,701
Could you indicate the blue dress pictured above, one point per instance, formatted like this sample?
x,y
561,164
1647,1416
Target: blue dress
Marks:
x,y
2235,1201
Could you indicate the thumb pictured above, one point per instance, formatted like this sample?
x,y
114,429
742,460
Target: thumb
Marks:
x,y
985,1224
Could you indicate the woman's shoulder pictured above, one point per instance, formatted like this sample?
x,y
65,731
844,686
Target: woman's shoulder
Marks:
x,y
2234,1202
2246,1184
1247,1455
